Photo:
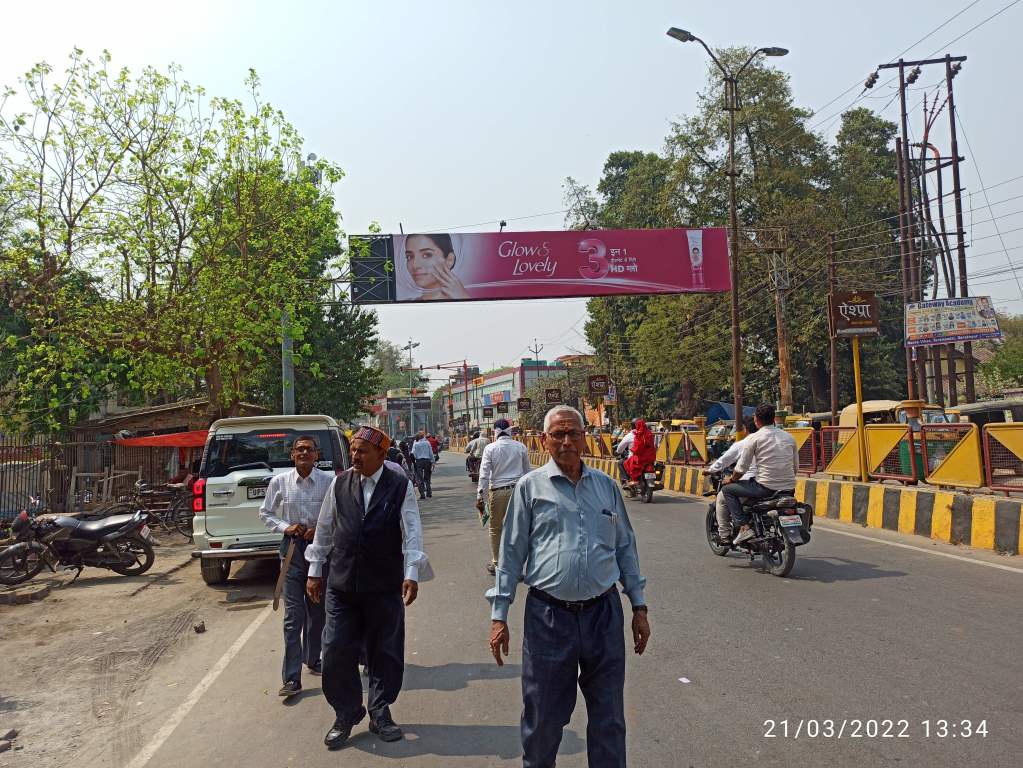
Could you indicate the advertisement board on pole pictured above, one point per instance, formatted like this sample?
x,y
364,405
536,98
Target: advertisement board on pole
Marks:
x,y
502,407
598,385
523,265
488,412
853,313
951,321
525,404
404,403
552,396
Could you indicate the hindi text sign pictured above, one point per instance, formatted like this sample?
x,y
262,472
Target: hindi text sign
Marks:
x,y
854,313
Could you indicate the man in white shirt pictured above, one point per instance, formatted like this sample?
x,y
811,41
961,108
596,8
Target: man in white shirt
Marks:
x,y
369,530
291,506
504,461
727,459
422,451
776,457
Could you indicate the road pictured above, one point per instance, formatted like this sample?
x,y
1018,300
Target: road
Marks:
x,y
861,630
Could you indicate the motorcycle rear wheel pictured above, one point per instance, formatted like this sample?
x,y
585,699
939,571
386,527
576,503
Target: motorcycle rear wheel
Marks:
x,y
647,491
19,567
138,548
712,534
779,563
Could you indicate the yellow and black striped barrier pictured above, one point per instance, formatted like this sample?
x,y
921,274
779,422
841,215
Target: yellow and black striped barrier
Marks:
x,y
984,522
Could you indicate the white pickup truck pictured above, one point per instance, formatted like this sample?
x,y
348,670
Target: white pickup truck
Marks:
x,y
240,457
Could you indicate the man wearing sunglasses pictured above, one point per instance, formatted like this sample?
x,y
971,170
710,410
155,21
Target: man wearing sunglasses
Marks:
x,y
291,506
568,538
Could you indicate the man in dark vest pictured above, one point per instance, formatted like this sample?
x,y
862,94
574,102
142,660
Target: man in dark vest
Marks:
x,y
369,531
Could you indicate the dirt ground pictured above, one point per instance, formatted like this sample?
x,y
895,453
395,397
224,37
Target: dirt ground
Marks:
x,y
78,669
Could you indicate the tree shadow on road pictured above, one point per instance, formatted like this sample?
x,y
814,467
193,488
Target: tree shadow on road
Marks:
x,y
455,676
832,569
501,741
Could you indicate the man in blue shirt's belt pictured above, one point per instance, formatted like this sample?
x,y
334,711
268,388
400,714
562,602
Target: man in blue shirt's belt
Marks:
x,y
567,535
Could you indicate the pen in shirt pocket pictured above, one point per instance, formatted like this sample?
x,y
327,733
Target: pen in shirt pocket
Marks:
x,y
612,515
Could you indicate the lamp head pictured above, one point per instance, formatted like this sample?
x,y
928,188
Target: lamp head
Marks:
x,y
774,51
681,35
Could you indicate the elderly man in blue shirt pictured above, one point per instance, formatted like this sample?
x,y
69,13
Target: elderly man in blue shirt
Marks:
x,y
568,537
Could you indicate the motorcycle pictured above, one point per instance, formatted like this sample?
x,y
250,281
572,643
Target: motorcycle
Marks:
x,y
120,543
651,480
472,466
780,523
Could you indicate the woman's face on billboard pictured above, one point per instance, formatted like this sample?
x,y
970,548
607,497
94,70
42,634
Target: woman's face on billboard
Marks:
x,y
423,257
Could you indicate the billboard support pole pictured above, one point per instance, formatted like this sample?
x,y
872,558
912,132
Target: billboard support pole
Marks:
x,y
860,436
833,346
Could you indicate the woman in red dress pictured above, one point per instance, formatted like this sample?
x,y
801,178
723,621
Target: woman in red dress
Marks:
x,y
642,452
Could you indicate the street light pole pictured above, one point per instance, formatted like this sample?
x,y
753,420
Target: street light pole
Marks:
x,y
411,399
731,83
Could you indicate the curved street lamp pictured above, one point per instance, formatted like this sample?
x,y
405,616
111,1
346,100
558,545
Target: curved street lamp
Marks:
x,y
731,104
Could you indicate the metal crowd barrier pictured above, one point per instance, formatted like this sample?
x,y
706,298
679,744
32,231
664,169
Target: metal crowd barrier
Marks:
x,y
806,442
1003,456
892,453
840,453
951,455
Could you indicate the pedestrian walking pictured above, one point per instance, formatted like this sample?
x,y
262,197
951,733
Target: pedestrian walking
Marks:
x,y
504,461
423,453
568,537
291,507
370,533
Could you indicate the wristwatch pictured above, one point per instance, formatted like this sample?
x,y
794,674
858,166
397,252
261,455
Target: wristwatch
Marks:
x,y
639,609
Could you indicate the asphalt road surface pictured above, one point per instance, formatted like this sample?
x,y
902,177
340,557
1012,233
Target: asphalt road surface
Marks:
x,y
743,667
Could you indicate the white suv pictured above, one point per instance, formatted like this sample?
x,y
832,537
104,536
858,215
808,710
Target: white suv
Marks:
x,y
240,457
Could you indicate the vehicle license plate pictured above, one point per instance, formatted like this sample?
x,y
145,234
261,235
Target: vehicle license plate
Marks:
x,y
650,475
146,533
790,521
257,493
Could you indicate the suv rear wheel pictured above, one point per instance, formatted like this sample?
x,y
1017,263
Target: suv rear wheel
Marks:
x,y
215,570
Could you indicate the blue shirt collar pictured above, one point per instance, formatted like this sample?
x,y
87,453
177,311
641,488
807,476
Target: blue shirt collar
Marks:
x,y
551,469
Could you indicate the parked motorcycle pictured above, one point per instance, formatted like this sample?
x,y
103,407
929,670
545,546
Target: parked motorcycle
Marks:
x,y
651,480
781,523
120,543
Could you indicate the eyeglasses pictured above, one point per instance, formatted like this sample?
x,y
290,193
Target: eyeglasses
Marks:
x,y
305,450
571,434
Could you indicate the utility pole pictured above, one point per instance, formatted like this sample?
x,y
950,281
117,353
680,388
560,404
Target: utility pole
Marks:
x,y
780,277
957,194
411,399
907,276
536,349
287,366
833,342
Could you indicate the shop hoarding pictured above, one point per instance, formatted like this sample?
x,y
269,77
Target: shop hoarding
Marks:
x,y
951,321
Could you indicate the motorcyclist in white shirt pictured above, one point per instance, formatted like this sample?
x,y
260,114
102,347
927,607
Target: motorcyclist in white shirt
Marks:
x,y
726,460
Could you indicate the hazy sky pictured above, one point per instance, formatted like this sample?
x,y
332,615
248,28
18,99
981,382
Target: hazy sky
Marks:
x,y
453,115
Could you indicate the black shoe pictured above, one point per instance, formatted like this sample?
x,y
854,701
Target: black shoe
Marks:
x,y
290,688
316,669
429,494
342,729
384,727
422,495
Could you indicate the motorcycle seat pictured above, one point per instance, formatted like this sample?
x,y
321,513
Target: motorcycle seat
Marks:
x,y
95,528
781,500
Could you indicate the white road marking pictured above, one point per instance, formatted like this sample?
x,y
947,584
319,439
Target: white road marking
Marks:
x,y
172,722
999,566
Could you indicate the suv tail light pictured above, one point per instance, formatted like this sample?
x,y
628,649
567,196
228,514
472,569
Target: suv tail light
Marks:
x,y
199,495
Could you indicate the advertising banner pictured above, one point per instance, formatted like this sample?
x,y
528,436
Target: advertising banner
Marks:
x,y
552,396
853,313
502,407
951,321
404,403
534,265
488,412
525,404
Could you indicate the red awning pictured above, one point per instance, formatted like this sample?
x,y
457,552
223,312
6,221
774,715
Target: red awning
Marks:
x,y
195,439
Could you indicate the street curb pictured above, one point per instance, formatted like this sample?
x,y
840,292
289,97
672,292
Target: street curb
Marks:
x,y
982,522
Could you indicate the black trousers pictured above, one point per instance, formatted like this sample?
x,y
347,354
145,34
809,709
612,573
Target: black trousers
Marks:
x,y
561,648
425,468
376,621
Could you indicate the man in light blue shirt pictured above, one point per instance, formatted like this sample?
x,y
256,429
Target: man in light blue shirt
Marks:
x,y
568,537
422,451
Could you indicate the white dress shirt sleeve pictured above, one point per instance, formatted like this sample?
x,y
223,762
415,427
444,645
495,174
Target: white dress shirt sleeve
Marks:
x,y
486,467
728,458
316,554
626,443
417,566
271,503
748,448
